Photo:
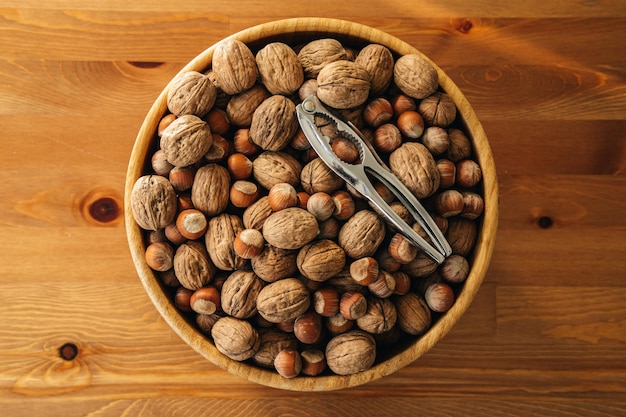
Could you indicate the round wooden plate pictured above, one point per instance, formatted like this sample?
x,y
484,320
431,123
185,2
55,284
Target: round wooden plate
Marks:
x,y
294,31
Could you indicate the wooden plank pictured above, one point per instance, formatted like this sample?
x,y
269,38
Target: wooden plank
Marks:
x,y
328,8
153,36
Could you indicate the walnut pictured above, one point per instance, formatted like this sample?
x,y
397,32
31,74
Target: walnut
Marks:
x,y
271,168
380,316
220,235
415,166
351,352
438,109
343,84
191,93
186,140
272,342
192,265
241,107
279,68
362,234
235,338
274,263
378,62
283,300
420,266
316,54
461,235
316,176
255,215
415,76
234,66
210,189
274,123
153,202
291,228
321,260
239,293
413,314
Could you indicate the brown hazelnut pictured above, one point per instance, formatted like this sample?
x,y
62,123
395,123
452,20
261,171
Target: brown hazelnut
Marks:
x,y
326,301
401,249
239,166
249,243
384,286
160,256
160,165
436,140
364,270
377,112
165,122
447,173
219,149
282,196
454,269
313,362
288,363
344,149
329,229
387,138
403,283
411,124
191,223
321,205
243,193
243,144
182,299
460,146
218,121
308,327
338,324
449,203
402,103
174,235
468,173
473,205
439,297
205,300
299,141
352,305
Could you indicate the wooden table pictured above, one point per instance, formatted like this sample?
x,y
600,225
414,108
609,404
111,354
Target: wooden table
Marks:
x,y
546,334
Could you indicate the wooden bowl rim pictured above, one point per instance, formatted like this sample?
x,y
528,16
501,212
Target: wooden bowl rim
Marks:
x,y
481,255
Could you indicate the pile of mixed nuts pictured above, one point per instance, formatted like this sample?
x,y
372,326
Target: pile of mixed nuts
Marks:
x,y
280,262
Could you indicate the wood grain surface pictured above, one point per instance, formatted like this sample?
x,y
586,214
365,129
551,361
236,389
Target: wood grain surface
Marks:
x,y
546,334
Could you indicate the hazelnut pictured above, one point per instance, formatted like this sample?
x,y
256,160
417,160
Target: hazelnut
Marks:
x,y
218,121
249,243
206,321
344,205
160,164
387,138
288,363
303,199
160,256
243,144
454,269
461,234
468,173
308,327
460,146
473,205
401,249
364,270
184,201
449,203
338,324
308,88
377,112
313,362
403,283
386,261
402,103
326,301
344,149
182,299
321,205
384,286
165,122
436,140
329,229
239,166
352,305
205,300
243,193
299,141
384,191
439,297
191,223
411,124
173,234
447,173
282,195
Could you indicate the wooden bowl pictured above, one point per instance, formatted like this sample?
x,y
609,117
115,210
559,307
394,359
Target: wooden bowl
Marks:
x,y
293,31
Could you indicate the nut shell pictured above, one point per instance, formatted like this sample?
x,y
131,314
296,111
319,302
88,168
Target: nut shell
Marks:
x,y
415,76
210,189
283,300
186,140
220,236
291,228
413,314
343,84
316,54
153,202
274,123
279,68
239,293
361,235
234,66
415,166
351,352
235,338
378,62
191,93
321,260
192,265
271,168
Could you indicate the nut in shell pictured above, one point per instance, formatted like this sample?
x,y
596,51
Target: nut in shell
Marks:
x,y
235,338
343,84
186,140
351,352
153,202
279,68
191,93
283,300
291,228
234,66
